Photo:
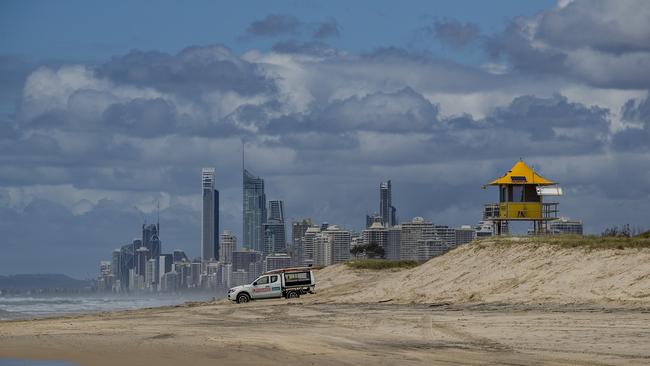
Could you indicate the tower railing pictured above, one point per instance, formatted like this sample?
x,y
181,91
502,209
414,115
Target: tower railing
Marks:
x,y
492,211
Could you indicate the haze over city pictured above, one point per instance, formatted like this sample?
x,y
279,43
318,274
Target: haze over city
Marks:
x,y
107,111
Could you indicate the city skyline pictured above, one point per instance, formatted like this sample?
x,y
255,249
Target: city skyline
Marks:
x,y
104,113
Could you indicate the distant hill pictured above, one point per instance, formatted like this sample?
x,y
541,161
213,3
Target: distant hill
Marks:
x,y
41,281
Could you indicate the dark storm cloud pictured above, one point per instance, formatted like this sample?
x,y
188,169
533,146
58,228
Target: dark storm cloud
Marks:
x,y
599,24
192,71
327,29
544,118
521,53
454,33
401,111
274,25
599,43
144,117
635,138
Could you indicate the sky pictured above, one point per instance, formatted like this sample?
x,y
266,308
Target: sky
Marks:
x,y
109,108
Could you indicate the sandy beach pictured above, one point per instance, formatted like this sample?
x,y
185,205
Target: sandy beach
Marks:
x,y
292,333
517,303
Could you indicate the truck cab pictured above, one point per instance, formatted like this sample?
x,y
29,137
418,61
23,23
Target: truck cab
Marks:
x,y
288,283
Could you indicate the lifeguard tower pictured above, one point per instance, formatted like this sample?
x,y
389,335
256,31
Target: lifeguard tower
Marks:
x,y
521,196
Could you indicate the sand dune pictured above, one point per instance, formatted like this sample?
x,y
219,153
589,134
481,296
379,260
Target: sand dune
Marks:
x,y
511,270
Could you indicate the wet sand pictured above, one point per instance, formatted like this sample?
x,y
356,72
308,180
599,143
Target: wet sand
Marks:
x,y
276,332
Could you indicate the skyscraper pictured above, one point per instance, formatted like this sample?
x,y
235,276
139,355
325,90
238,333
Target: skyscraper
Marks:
x,y
254,212
274,229
151,241
413,233
210,222
386,210
276,210
376,233
227,245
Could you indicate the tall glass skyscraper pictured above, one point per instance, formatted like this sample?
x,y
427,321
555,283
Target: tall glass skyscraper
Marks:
x,y
275,233
210,221
276,210
254,212
386,209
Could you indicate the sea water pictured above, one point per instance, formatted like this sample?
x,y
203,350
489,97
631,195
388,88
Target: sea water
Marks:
x,y
20,362
19,307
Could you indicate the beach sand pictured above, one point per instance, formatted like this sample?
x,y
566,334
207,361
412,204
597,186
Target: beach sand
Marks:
x,y
280,332
523,304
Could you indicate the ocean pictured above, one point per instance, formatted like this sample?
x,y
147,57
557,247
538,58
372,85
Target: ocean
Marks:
x,y
20,307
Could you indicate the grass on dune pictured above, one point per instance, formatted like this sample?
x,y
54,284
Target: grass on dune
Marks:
x,y
379,264
574,241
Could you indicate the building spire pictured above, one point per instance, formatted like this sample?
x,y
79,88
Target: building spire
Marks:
x,y
158,217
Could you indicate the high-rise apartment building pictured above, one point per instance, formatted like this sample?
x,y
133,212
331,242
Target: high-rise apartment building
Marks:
x,y
227,245
210,219
277,261
298,230
241,259
464,234
432,247
340,240
392,248
165,265
308,244
412,233
274,237
446,234
322,253
386,210
565,225
141,258
376,233
254,212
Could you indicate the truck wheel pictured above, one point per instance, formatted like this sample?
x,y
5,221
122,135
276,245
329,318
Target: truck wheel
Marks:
x,y
293,295
242,298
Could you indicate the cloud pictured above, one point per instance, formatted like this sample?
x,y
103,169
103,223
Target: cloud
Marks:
x,y
454,33
327,29
310,48
277,25
599,43
637,136
323,126
191,71
274,25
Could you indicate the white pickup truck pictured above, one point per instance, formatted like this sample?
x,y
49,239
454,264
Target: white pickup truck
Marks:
x,y
289,283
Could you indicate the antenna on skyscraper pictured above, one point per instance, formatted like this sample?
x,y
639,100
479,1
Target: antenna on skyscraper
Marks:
x,y
158,217
243,150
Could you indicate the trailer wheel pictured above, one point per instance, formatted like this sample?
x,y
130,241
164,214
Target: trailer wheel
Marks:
x,y
242,298
293,295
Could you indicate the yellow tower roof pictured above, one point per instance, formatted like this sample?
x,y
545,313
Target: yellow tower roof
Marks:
x,y
521,174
